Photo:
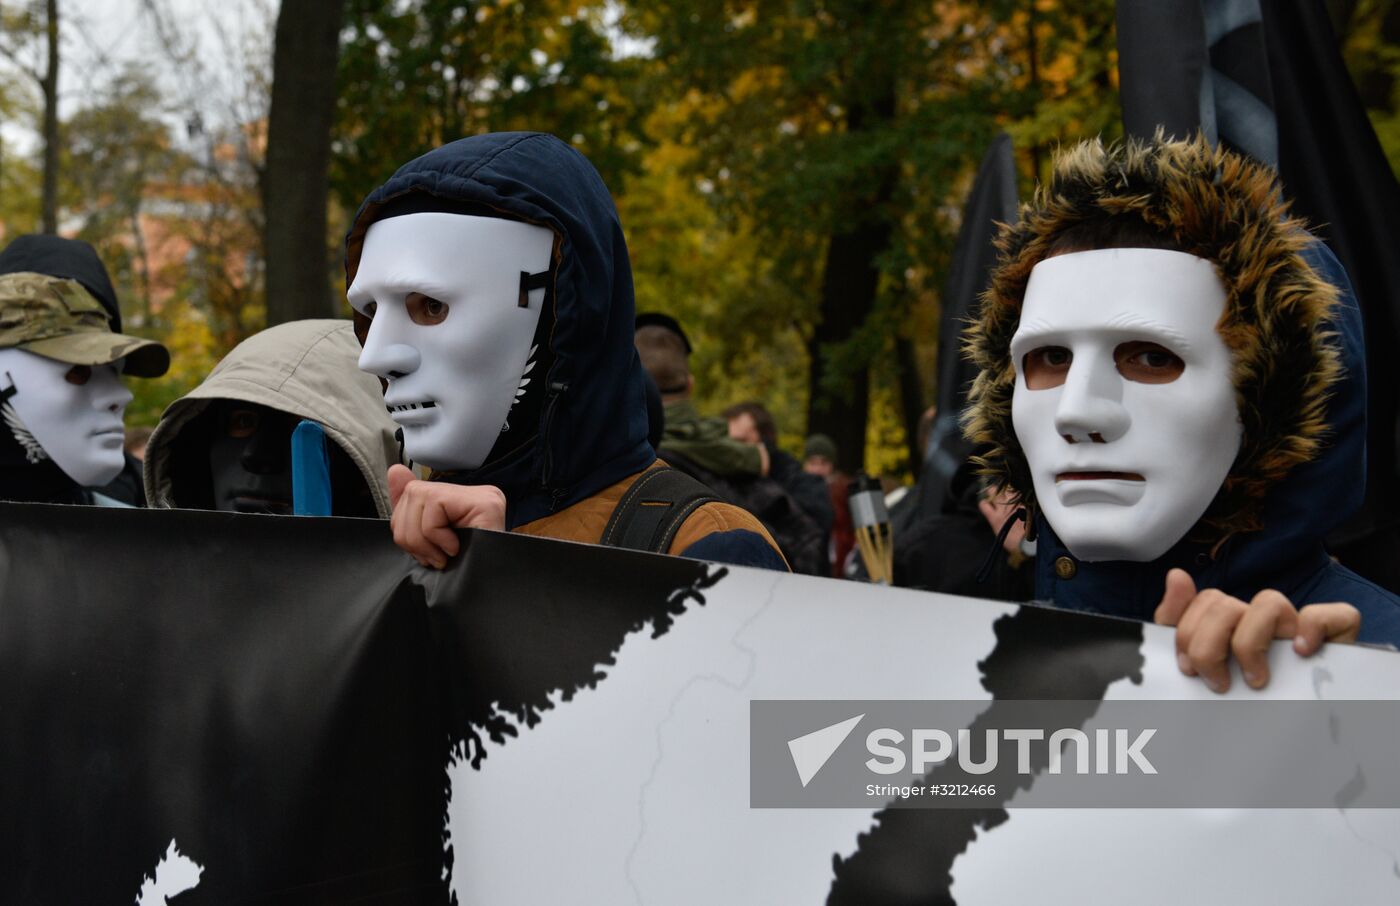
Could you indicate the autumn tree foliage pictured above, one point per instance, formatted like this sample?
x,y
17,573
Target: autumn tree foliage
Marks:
x,y
420,73
790,173
841,136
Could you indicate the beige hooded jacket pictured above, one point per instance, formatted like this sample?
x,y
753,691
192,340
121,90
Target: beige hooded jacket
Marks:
x,y
306,368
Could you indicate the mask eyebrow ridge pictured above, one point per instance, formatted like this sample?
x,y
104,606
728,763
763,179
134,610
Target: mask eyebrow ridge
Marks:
x,y
1034,332
399,288
1131,321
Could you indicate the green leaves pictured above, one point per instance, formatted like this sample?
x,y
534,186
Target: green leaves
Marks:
x,y
418,74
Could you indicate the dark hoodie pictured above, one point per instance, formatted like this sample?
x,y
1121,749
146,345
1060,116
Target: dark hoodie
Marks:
x,y
593,425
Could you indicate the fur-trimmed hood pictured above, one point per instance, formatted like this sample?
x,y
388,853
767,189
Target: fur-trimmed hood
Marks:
x,y
1294,333
1215,205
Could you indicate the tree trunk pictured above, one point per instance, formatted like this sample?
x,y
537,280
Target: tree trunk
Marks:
x,y
1033,51
50,90
143,259
295,186
850,280
911,398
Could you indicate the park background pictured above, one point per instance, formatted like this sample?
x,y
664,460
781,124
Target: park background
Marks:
x,y
790,175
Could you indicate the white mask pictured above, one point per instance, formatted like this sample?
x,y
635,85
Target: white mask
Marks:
x,y
77,425
1124,403
451,384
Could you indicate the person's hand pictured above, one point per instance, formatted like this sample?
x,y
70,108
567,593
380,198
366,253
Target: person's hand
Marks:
x,y
1211,626
996,510
426,512
765,462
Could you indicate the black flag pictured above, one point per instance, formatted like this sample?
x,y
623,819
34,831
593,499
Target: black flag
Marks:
x,y
992,200
1335,171
1268,79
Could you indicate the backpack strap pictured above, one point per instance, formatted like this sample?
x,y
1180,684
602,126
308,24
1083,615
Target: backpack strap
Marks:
x,y
650,514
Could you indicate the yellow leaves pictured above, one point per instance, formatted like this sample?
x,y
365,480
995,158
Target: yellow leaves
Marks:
x,y
193,348
712,274
1374,64
757,81
194,351
886,449
1059,72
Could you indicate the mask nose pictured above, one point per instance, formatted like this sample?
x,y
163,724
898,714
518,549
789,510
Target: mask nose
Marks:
x,y
1091,409
108,391
388,359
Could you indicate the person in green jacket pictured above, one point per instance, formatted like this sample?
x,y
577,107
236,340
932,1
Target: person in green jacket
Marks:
x,y
664,350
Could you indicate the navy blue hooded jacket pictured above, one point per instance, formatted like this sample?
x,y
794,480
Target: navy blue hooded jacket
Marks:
x,y
593,425
1288,554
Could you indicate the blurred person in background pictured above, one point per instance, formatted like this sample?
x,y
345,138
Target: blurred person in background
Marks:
x,y
751,423
737,470
665,350
137,437
819,458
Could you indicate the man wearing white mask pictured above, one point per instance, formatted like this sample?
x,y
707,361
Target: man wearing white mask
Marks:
x,y
493,296
61,426
1173,386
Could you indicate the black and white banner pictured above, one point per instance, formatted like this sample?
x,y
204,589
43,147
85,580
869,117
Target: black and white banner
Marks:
x,y
211,708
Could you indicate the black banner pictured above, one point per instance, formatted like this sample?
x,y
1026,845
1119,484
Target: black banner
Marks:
x,y
201,707
276,696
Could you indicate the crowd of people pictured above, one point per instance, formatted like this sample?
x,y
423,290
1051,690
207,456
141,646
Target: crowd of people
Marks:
x,y
1168,417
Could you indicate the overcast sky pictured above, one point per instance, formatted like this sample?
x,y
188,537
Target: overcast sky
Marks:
x,y
100,37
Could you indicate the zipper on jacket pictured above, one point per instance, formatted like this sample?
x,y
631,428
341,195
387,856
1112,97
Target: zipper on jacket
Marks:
x,y
557,389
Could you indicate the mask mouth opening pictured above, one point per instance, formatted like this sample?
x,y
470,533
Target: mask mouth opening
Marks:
x,y
519,430
1099,475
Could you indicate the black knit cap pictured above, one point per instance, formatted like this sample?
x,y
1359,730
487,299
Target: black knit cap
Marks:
x,y
657,319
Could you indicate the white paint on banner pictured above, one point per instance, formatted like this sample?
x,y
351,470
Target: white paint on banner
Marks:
x,y
1163,857
637,791
175,873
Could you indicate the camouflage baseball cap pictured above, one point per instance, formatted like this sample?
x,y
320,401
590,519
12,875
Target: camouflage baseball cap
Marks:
x,y
59,319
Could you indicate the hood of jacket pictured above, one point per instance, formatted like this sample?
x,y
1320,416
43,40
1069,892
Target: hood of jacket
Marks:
x,y
306,368
1295,335
592,431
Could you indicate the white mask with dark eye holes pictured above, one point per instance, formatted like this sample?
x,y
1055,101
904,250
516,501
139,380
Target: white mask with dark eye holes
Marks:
x,y
71,414
1124,402
449,332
